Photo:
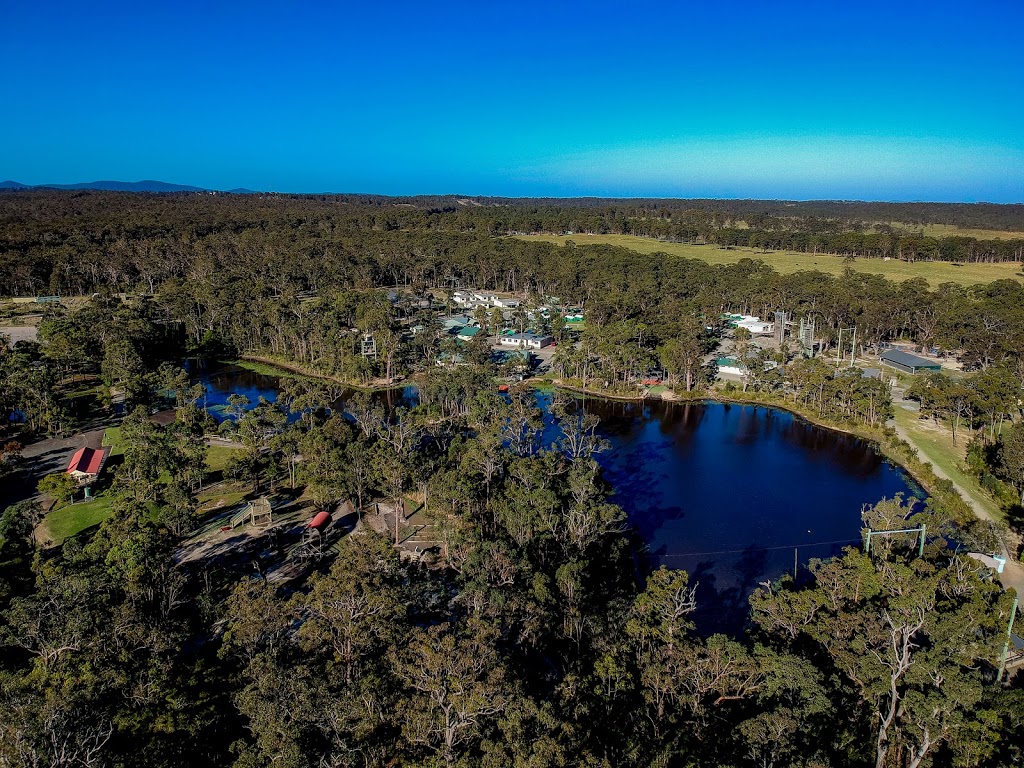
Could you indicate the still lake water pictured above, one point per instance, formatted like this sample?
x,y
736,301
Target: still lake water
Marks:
x,y
726,492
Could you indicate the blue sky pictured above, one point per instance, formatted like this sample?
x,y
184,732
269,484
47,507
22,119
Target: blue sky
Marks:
x,y
886,101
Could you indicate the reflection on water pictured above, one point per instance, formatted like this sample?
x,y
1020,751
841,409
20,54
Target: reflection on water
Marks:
x,y
725,491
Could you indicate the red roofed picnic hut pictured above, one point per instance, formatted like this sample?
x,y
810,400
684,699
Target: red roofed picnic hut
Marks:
x,y
87,463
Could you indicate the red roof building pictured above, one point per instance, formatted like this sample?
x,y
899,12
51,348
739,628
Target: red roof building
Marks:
x,y
86,464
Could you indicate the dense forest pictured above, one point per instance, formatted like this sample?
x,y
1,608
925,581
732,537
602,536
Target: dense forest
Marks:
x,y
532,636
80,242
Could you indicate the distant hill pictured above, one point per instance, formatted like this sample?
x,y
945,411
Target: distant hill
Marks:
x,y
147,185
242,191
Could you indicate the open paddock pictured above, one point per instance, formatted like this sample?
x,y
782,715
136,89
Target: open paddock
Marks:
x,y
935,272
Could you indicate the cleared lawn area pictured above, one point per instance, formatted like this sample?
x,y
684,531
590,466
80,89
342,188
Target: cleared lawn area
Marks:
x,y
951,230
269,369
219,498
68,521
934,272
218,456
112,439
936,443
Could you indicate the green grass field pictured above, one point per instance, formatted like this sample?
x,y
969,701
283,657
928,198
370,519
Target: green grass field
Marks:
x,y
934,272
218,456
268,369
63,523
936,444
951,230
112,440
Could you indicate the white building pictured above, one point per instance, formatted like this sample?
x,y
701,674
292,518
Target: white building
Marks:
x,y
525,340
757,327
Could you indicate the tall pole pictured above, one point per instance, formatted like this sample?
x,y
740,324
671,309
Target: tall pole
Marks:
x,y
1006,645
853,349
839,347
794,563
920,545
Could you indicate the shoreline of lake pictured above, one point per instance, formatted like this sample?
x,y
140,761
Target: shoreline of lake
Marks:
x,y
877,438
883,439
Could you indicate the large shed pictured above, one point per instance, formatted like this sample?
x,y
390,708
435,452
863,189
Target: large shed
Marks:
x,y
908,363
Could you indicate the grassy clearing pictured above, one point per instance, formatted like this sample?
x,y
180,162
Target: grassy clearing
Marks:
x,y
68,521
218,456
936,445
951,230
791,261
220,498
112,439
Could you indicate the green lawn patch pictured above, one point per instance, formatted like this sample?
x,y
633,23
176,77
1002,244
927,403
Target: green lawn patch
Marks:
x,y
218,456
220,498
68,521
112,439
268,369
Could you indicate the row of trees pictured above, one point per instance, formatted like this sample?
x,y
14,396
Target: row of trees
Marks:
x,y
292,277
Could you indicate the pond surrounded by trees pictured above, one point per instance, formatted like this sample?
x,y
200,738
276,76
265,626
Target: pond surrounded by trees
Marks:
x,y
724,491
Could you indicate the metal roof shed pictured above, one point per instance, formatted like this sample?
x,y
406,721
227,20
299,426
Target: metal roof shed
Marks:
x,y
908,363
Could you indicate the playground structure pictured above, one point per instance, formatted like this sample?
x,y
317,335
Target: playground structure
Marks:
x,y
259,513
804,331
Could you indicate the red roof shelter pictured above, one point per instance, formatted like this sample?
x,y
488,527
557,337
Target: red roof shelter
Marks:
x,y
86,462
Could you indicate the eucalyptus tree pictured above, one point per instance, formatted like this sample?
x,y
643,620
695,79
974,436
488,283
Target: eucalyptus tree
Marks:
x,y
457,688
1012,456
681,356
912,638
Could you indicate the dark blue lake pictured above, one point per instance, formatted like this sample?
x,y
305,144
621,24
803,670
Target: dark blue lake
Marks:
x,y
726,492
